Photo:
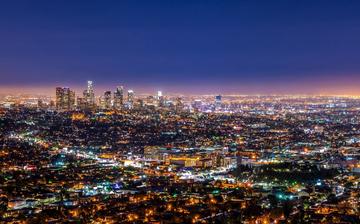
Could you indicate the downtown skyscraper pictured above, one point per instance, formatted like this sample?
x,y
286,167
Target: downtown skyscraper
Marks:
x,y
65,98
130,98
119,97
89,95
107,100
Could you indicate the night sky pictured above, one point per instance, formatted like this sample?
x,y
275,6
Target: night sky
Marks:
x,y
182,46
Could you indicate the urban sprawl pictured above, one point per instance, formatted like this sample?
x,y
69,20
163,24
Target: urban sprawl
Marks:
x,y
128,158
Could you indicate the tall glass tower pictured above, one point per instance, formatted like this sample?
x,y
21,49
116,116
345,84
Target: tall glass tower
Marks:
x,y
89,95
119,97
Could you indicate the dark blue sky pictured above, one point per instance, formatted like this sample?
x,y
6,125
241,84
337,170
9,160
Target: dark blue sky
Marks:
x,y
229,45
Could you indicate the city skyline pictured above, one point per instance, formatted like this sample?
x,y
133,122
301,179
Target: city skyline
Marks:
x,y
332,89
179,112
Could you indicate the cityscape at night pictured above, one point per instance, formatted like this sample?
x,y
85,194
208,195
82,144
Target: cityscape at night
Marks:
x,y
169,112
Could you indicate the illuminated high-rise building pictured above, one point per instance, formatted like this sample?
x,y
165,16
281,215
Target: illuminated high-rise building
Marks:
x,y
65,98
59,98
119,97
218,102
107,100
160,99
71,104
81,103
89,95
131,96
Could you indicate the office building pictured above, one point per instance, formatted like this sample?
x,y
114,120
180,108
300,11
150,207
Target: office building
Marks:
x,y
107,100
131,96
218,101
160,99
119,97
89,95
65,98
